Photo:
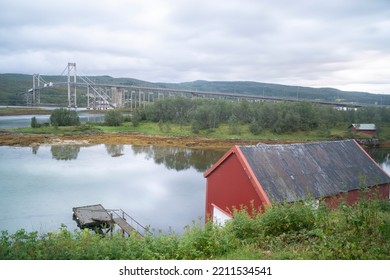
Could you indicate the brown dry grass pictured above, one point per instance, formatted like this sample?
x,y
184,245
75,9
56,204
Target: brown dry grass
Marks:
x,y
20,139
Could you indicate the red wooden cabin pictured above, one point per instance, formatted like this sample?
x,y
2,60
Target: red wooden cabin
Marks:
x,y
366,128
257,176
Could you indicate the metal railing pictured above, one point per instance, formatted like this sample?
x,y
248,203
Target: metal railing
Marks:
x,y
130,220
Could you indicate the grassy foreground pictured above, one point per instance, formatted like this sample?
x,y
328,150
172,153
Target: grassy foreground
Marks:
x,y
176,130
294,231
166,134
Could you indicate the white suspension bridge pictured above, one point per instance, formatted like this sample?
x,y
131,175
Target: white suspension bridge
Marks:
x,y
102,96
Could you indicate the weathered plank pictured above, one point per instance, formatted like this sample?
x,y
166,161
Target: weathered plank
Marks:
x,y
91,215
124,225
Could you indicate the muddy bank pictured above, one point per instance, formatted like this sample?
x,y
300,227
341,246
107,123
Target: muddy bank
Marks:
x,y
20,139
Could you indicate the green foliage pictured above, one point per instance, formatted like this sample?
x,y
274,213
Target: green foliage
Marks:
x,y
279,118
204,242
164,126
288,218
113,118
137,117
34,123
64,117
255,127
234,126
290,231
244,227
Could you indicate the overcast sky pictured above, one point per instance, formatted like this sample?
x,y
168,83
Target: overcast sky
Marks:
x,y
334,43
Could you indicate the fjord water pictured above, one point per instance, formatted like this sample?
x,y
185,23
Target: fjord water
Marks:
x,y
161,187
25,120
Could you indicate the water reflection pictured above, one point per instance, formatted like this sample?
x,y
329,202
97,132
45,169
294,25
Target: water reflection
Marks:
x,y
382,157
171,157
179,159
160,187
115,150
65,152
34,149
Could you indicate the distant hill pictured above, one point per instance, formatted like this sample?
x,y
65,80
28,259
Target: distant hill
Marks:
x,y
13,87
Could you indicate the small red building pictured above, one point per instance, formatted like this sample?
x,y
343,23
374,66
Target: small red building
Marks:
x,y
257,176
366,128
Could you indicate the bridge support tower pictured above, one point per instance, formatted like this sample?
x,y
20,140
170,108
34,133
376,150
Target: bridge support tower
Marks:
x,y
72,85
33,96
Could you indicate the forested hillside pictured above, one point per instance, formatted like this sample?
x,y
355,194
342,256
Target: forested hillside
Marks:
x,y
13,87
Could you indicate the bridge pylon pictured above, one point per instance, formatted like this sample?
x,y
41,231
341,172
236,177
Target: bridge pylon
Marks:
x,y
72,85
33,95
36,92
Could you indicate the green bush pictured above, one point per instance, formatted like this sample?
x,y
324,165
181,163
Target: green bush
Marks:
x,y
64,117
244,227
113,118
200,242
255,127
290,231
137,117
34,123
234,125
287,218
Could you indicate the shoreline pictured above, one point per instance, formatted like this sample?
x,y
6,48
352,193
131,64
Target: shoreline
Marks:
x,y
26,139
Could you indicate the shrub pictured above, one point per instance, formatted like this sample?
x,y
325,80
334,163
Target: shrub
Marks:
x,y
234,126
137,117
64,117
34,123
164,126
113,118
295,231
288,218
203,242
255,127
244,227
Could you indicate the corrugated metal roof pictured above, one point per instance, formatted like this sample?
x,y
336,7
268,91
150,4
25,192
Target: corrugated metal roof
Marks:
x,y
299,171
364,126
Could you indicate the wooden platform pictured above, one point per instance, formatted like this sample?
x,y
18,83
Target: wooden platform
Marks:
x,y
91,216
98,218
124,225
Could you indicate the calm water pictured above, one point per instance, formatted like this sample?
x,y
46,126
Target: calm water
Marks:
x,y
25,120
160,187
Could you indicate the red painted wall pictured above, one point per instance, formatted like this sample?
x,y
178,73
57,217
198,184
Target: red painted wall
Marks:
x,y
378,192
369,132
228,185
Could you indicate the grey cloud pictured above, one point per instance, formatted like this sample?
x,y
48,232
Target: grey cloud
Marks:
x,y
320,43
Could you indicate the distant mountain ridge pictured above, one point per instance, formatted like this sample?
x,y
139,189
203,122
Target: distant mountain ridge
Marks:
x,y
13,87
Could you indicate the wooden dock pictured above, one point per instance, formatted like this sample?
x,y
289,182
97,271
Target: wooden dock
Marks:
x,y
98,218
123,225
91,216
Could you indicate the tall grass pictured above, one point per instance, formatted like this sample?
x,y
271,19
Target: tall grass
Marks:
x,y
292,231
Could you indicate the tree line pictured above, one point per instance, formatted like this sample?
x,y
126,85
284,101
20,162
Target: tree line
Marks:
x,y
203,114
278,117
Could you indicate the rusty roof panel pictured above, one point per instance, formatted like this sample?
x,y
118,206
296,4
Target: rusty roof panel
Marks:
x,y
299,171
